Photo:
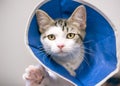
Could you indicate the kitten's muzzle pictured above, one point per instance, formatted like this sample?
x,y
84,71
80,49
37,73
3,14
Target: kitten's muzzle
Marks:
x,y
60,46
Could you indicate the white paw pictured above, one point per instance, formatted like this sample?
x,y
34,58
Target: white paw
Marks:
x,y
34,74
72,73
70,69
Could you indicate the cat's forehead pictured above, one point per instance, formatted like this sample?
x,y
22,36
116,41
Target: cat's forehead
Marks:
x,y
65,25
61,26
54,30
61,22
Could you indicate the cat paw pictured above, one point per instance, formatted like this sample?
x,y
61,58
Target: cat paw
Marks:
x,y
72,73
70,69
34,74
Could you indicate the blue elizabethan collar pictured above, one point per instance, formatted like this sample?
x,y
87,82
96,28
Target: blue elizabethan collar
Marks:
x,y
100,44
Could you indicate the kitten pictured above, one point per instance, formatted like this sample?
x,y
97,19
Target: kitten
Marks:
x,y
63,38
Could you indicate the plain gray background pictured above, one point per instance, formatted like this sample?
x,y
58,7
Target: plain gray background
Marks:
x,y
14,15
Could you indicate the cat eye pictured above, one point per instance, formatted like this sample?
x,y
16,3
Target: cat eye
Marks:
x,y
51,37
70,35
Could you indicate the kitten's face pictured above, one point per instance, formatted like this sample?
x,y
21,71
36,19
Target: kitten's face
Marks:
x,y
62,37
61,40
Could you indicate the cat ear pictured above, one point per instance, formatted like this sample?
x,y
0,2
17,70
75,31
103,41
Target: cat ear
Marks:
x,y
78,17
43,19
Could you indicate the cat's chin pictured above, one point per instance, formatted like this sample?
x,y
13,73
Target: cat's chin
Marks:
x,y
61,54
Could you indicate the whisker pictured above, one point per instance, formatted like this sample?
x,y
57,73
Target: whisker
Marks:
x,y
41,49
42,53
88,53
50,59
87,49
47,53
88,41
85,59
39,52
44,58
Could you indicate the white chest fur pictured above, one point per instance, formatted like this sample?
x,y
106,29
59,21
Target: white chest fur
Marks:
x,y
71,63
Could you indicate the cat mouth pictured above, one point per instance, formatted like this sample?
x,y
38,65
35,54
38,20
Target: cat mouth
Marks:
x,y
61,52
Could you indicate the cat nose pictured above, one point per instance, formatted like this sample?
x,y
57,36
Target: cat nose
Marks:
x,y
60,46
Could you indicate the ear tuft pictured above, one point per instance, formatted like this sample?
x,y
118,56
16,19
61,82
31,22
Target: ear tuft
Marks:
x,y
78,17
43,20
